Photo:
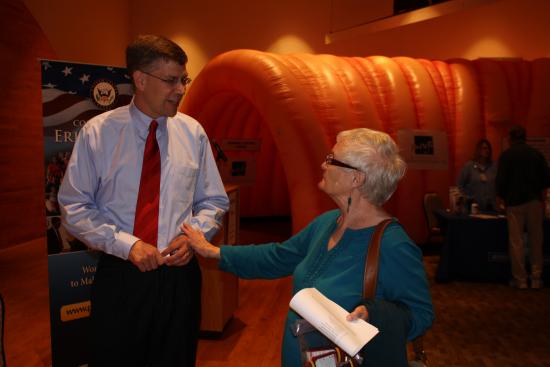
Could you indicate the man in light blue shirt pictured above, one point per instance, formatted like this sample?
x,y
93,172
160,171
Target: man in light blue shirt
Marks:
x,y
145,297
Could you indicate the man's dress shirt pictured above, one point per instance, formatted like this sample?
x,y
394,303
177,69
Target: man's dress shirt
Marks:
x,y
99,191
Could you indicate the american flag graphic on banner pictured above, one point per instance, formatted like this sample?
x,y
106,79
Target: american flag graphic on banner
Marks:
x,y
72,93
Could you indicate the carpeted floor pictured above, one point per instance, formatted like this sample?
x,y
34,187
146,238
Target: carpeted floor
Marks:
x,y
485,324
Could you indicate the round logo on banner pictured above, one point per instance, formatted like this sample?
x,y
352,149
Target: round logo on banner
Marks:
x,y
104,93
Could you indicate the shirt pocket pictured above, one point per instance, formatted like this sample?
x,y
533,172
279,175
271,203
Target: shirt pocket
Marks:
x,y
182,180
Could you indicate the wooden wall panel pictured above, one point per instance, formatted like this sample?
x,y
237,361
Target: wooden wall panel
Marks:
x,y
22,43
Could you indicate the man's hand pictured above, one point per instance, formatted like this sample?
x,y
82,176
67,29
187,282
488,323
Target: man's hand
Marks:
x,y
145,256
360,312
178,252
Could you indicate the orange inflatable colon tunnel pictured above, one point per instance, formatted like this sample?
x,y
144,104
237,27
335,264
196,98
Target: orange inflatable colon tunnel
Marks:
x,y
294,106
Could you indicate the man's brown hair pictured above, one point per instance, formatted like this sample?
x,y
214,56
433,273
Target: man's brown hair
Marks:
x,y
146,49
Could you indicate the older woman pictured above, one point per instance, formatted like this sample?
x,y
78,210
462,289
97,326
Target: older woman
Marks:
x,y
360,174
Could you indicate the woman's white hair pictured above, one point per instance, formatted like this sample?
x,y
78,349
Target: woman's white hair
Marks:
x,y
377,156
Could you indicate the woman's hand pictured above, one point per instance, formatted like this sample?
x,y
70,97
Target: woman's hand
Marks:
x,y
360,312
199,243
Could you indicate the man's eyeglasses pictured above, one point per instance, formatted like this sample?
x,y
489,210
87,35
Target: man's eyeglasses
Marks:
x,y
335,162
172,82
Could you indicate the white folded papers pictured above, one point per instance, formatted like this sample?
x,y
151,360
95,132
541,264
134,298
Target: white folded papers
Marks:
x,y
330,319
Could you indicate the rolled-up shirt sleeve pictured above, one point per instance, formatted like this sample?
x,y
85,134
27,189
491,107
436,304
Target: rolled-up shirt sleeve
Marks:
x,y
210,201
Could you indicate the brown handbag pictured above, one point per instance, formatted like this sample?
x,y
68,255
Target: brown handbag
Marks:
x,y
369,285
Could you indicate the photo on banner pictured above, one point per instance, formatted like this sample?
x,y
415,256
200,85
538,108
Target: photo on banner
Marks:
x,y
72,93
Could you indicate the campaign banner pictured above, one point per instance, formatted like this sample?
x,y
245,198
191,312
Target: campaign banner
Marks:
x,y
72,93
70,276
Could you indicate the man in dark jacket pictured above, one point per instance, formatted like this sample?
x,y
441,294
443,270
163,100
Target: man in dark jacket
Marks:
x,y
522,177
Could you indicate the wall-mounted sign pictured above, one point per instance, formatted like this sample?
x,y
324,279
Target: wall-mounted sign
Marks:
x,y
241,171
423,149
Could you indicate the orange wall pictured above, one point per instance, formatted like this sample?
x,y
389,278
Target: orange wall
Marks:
x,y
89,31
205,28
505,28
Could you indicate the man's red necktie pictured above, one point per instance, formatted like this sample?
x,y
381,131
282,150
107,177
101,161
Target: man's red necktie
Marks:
x,y
147,208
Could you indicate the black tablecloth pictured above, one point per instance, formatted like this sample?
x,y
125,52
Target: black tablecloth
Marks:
x,y
476,249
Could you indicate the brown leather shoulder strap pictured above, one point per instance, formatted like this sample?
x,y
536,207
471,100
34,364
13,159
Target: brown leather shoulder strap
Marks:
x,y
371,263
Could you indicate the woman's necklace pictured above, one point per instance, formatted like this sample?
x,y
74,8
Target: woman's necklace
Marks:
x,y
481,169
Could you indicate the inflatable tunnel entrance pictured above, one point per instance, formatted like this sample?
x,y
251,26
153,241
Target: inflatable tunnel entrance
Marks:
x,y
296,104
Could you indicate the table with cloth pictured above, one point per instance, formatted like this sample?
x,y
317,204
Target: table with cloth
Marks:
x,y
476,248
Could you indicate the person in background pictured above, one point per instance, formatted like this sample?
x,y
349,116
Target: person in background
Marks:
x,y
360,175
54,171
477,178
522,176
135,175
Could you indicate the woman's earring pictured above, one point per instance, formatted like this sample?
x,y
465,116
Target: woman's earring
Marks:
x,y
349,203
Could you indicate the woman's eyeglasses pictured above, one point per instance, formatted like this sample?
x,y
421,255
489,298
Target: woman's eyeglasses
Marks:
x,y
335,162
172,82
